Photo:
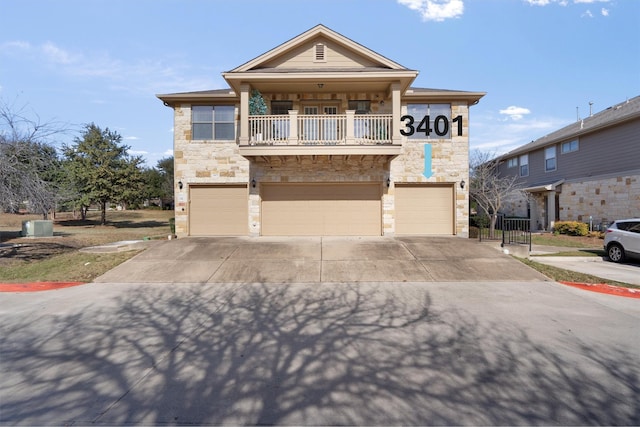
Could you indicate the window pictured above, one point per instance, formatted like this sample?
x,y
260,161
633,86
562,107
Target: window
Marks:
x,y
524,165
512,162
631,226
281,107
550,158
439,126
361,107
213,122
568,147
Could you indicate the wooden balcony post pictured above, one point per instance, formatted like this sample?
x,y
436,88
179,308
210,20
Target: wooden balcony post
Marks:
x,y
244,114
293,127
396,105
350,137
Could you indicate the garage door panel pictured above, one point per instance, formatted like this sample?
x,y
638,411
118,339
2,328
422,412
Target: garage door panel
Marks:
x,y
218,210
340,209
424,209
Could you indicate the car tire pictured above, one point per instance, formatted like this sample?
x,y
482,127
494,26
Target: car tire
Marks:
x,y
615,252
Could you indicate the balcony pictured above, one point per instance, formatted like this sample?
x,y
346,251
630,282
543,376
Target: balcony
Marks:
x,y
331,134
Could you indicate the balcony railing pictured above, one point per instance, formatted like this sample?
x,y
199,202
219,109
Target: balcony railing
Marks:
x,y
330,129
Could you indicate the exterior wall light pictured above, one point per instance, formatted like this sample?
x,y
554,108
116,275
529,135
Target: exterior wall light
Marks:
x,y
388,182
462,184
180,185
253,183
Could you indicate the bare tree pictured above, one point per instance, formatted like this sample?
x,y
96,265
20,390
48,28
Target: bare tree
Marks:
x,y
28,163
490,190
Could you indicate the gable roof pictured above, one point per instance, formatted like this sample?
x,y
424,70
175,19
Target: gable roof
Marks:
x,y
319,31
622,112
293,63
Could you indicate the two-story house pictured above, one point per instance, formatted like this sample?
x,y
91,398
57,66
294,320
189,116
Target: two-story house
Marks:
x,y
321,136
588,171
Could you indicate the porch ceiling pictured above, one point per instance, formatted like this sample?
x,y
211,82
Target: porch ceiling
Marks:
x,y
261,152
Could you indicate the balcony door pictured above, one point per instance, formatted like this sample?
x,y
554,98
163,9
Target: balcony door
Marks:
x,y
317,127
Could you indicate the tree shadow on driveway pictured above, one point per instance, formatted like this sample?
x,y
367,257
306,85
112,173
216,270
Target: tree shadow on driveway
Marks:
x,y
265,354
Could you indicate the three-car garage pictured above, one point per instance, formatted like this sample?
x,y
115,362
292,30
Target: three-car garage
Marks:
x,y
323,209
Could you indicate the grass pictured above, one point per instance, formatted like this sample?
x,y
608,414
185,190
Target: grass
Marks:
x,y
58,258
562,275
564,241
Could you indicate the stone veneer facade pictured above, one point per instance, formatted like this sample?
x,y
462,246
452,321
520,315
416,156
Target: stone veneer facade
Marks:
x,y
605,199
600,200
208,162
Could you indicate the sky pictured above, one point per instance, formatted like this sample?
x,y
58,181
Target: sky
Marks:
x,y
541,62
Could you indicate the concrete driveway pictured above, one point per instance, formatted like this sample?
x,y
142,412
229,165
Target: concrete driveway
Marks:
x,y
319,260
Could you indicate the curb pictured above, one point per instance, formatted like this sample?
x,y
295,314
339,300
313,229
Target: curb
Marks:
x,y
37,286
603,288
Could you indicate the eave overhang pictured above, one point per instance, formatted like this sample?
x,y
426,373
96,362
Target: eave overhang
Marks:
x,y
312,81
545,187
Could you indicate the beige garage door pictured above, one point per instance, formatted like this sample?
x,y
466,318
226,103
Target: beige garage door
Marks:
x,y
340,209
220,210
424,209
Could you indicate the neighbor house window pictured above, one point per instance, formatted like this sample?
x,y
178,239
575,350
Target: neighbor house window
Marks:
x,y
512,162
439,126
524,165
550,159
568,147
213,122
281,107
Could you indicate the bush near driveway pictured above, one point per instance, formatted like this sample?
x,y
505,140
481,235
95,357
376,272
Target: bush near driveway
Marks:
x,y
572,228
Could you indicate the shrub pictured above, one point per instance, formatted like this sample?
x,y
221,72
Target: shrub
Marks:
x,y
571,228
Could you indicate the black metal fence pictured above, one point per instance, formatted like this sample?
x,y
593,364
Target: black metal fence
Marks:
x,y
508,231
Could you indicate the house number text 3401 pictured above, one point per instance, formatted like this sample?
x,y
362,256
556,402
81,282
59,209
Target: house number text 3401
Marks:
x,y
440,125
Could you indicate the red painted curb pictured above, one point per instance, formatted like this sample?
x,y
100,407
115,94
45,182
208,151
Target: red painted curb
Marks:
x,y
36,286
603,288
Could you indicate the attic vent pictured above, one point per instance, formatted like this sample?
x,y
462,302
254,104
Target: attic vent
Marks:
x,y
320,53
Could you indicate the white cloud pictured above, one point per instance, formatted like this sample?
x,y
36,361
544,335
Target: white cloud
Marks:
x,y
587,14
56,54
141,75
435,10
491,134
131,138
605,12
591,1
515,113
168,153
138,152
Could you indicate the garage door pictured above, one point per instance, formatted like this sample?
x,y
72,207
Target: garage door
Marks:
x,y
424,209
340,209
220,210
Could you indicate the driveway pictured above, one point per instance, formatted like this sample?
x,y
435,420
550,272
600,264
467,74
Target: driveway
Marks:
x,y
319,260
146,346
431,353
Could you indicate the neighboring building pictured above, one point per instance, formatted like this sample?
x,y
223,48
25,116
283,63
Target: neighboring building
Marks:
x,y
588,171
344,148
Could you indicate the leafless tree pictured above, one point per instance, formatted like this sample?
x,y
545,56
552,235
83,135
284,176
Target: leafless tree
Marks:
x,y
28,161
490,190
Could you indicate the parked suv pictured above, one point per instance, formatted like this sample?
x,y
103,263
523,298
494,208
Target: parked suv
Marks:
x,y
622,240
